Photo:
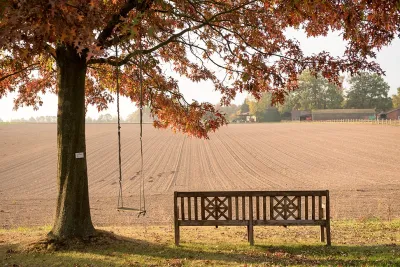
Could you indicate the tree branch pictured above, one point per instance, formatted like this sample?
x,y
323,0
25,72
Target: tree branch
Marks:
x,y
51,51
17,72
140,5
172,38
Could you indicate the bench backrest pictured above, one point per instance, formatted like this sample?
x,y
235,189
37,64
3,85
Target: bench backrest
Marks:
x,y
261,207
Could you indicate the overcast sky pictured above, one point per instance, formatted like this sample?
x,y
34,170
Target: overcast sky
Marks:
x,y
388,58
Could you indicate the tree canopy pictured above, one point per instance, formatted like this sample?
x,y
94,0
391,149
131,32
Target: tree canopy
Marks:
x,y
245,38
263,109
314,92
318,93
229,112
135,116
244,107
369,91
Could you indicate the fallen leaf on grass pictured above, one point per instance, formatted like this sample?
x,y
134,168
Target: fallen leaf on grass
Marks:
x,y
175,263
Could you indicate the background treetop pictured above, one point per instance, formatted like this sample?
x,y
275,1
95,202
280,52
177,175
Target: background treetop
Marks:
x,y
368,91
244,38
396,99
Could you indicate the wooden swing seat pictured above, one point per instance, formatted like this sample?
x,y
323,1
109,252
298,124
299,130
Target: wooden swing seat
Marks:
x,y
125,208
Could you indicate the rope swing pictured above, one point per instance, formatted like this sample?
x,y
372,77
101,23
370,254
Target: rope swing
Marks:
x,y
142,200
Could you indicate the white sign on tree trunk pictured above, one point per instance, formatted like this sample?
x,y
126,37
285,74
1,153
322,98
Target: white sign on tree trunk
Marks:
x,y
79,155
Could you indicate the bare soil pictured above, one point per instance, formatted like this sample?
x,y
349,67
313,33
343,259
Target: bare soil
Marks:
x,y
360,164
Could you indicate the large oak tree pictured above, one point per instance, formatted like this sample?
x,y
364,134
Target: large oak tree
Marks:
x,y
318,93
67,47
369,91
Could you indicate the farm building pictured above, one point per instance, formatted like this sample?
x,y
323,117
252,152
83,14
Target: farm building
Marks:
x,y
300,114
393,114
245,117
343,114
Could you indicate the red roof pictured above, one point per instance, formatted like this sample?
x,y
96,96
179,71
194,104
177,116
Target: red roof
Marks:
x,y
393,110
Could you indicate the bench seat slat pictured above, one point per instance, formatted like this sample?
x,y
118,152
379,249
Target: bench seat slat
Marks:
x,y
229,208
189,208
255,222
264,208
258,207
237,207
306,208
196,217
320,211
182,208
299,208
313,208
289,222
243,208
213,223
271,208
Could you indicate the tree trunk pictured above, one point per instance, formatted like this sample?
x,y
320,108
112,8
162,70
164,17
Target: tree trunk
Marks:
x,y
73,211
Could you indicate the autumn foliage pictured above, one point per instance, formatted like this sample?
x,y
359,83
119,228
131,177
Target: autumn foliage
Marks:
x,y
243,39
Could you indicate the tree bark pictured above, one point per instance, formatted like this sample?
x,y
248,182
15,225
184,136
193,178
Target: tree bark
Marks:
x,y
73,211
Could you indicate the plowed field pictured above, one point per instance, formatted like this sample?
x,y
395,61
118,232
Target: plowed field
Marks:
x,y
360,164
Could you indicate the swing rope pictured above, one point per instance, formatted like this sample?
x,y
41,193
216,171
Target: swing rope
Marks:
x,y
120,198
142,199
142,208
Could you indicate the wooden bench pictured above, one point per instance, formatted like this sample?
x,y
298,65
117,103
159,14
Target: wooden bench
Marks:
x,y
252,208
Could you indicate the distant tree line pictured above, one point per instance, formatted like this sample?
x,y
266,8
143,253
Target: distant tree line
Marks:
x,y
367,91
40,119
132,118
103,118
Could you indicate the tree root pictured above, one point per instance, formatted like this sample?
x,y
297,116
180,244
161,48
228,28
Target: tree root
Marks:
x,y
52,243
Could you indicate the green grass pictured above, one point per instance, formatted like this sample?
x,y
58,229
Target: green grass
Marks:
x,y
355,243
3,123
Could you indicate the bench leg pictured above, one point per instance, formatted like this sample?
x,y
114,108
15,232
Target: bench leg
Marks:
x,y
322,233
177,235
328,234
251,234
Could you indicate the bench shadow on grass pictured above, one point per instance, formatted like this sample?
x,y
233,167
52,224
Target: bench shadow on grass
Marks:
x,y
132,252
271,254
